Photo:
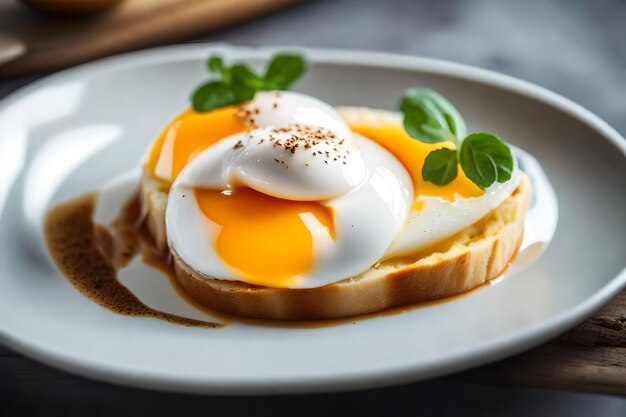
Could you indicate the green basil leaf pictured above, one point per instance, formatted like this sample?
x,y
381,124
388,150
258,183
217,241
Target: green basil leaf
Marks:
x,y
440,166
282,71
245,83
212,95
243,93
215,64
239,83
430,118
242,74
485,158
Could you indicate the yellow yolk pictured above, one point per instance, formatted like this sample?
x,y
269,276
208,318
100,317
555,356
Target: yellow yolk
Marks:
x,y
411,153
263,238
188,135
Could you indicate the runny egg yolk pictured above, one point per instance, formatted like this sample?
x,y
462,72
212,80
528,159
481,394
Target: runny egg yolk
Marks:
x,y
266,240
411,153
188,135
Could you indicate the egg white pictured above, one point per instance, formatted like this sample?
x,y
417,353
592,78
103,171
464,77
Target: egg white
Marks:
x,y
278,108
439,218
367,218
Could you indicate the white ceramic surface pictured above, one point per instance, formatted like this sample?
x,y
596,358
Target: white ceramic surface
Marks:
x,y
69,133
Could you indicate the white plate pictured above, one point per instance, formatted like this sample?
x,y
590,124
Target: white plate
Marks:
x,y
68,133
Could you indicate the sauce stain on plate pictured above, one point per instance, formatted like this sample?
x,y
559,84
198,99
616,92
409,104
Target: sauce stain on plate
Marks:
x,y
89,257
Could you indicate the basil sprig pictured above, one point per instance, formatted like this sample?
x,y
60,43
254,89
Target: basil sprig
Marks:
x,y
430,118
485,158
238,83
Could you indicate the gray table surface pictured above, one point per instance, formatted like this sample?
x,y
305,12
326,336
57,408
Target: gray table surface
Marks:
x,y
576,48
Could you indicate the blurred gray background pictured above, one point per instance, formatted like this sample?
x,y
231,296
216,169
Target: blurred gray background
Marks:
x,y
576,48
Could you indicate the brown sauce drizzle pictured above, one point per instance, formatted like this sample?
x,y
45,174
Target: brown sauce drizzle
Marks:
x,y
91,267
89,256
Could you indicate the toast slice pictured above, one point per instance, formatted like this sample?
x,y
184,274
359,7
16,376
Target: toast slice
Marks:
x,y
462,262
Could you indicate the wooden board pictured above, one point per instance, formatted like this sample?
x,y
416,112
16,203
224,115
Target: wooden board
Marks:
x,y
54,42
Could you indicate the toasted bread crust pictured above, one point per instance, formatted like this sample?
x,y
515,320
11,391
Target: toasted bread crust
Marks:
x,y
465,261
153,201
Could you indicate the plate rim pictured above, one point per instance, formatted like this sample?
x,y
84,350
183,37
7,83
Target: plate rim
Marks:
x,y
478,355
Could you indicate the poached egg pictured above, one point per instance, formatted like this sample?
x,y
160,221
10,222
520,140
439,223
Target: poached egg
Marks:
x,y
282,192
